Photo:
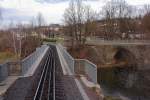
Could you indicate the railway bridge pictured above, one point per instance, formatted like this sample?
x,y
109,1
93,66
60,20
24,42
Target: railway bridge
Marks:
x,y
49,73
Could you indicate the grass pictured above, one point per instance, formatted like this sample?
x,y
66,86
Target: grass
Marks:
x,y
56,39
111,98
53,40
5,56
94,89
59,39
49,40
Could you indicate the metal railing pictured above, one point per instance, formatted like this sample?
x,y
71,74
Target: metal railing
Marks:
x,y
85,67
69,59
31,59
80,66
14,68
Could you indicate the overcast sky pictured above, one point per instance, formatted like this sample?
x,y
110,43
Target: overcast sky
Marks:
x,y
52,10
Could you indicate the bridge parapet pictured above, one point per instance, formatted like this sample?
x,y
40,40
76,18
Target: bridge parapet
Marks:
x,y
100,41
32,58
85,67
79,66
3,71
15,69
69,59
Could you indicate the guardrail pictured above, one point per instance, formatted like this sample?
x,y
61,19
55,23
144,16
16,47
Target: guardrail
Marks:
x,y
69,59
14,68
85,67
30,60
80,66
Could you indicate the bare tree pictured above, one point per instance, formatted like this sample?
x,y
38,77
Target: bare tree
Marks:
x,y
146,22
109,11
1,17
90,24
147,8
146,18
70,21
79,19
124,12
21,32
117,16
32,22
40,20
11,24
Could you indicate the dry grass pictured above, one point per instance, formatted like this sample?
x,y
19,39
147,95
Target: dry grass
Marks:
x,y
111,98
5,56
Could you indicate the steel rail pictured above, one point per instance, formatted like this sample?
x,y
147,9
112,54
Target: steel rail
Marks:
x,y
36,96
50,79
47,79
54,69
44,81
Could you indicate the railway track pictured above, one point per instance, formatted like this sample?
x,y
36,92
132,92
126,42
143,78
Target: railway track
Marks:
x,y
47,82
50,86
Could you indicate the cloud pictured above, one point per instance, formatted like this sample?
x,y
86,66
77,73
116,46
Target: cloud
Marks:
x,y
51,1
57,1
52,10
25,10
14,15
138,2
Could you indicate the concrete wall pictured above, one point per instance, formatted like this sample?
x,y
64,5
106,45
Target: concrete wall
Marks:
x,y
3,71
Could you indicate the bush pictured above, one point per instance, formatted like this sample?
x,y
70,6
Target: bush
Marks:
x,y
49,40
29,45
4,56
111,98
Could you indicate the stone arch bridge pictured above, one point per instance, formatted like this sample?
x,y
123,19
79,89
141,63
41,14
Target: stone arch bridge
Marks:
x,y
133,51
134,74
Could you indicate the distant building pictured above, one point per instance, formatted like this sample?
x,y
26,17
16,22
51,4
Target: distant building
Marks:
x,y
132,30
49,31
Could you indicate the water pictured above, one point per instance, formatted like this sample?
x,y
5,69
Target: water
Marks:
x,y
112,89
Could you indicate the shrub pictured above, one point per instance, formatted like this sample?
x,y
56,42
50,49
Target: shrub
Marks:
x,y
49,40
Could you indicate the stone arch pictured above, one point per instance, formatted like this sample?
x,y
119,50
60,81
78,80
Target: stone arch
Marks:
x,y
127,74
123,54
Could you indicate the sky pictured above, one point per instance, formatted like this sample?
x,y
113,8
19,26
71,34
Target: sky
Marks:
x,y
23,11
